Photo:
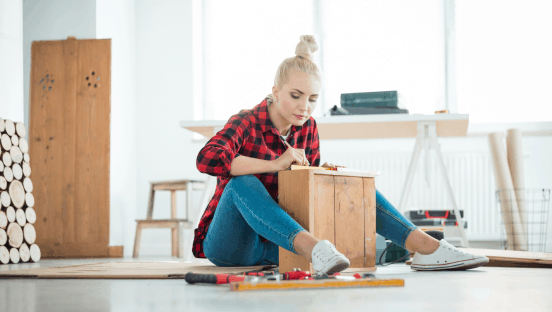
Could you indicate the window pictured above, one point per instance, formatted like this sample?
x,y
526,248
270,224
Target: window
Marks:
x,y
503,60
385,45
500,53
365,46
244,43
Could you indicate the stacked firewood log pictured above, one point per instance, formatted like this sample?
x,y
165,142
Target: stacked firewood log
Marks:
x,y
17,215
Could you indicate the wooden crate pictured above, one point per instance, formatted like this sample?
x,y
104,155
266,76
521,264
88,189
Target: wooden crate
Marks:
x,y
332,205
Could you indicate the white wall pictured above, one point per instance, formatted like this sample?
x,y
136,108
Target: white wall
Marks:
x,y
11,60
54,20
115,21
165,95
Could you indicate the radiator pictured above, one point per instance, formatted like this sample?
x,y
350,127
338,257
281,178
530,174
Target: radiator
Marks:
x,y
471,177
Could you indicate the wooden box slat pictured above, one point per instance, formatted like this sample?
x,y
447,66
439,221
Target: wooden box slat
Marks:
x,y
349,219
369,223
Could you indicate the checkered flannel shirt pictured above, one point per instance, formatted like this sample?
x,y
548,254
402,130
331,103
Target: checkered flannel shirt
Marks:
x,y
252,134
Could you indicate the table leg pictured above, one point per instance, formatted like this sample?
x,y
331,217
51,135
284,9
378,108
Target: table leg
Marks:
x,y
189,193
451,194
410,174
174,238
180,240
137,240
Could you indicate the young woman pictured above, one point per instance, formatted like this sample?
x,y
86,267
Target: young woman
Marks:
x,y
243,224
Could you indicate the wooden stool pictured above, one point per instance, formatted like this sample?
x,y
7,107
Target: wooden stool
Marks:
x,y
177,225
335,205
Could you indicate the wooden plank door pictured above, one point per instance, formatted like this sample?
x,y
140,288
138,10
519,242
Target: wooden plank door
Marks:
x,y
69,134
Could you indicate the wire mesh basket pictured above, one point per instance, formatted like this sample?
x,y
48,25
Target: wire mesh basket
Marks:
x,y
523,215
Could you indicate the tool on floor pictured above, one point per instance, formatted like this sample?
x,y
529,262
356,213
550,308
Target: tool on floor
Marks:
x,y
259,273
194,278
336,276
295,275
251,276
324,283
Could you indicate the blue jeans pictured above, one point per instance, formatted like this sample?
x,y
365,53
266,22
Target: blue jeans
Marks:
x,y
246,211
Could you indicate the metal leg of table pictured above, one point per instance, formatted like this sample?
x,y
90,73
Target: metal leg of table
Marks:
x,y
427,140
410,174
459,218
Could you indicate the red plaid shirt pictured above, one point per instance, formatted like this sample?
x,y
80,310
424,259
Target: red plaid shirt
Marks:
x,y
252,134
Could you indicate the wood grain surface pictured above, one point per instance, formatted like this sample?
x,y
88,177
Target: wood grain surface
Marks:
x,y
69,138
324,213
295,189
349,219
369,198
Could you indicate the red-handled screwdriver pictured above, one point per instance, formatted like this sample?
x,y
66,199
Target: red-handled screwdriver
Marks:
x,y
296,275
193,278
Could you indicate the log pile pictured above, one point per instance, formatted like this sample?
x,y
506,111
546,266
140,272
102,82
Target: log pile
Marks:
x,y
17,214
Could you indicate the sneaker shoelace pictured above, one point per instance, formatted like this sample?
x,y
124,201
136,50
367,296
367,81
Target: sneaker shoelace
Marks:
x,y
456,250
321,252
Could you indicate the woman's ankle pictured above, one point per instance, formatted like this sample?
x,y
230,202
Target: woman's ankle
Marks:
x,y
429,248
303,243
419,241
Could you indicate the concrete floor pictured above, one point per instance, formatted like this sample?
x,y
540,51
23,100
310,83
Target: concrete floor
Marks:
x,y
481,289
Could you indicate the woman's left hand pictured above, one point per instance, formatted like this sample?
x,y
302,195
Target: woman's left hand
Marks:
x,y
332,166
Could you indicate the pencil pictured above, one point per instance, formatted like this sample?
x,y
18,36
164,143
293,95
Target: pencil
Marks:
x,y
289,146
284,141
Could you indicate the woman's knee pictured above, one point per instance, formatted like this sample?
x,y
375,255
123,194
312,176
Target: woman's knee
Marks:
x,y
243,178
247,180
221,257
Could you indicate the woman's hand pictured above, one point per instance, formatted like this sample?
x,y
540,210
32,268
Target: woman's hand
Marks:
x,y
332,166
291,156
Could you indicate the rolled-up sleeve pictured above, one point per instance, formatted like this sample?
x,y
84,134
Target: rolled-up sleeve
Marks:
x,y
216,157
313,152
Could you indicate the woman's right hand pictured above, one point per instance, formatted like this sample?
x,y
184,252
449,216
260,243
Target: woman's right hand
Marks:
x,y
291,156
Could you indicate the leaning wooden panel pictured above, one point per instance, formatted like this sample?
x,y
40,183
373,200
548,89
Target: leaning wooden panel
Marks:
x,y
369,222
52,138
52,250
324,213
69,143
295,189
70,126
92,149
349,219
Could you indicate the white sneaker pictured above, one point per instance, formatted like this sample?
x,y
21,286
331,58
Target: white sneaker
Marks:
x,y
447,257
327,260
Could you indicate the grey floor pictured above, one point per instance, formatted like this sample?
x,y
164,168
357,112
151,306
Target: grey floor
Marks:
x,y
481,289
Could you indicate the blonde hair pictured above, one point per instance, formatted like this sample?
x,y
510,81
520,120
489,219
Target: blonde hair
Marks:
x,y
302,61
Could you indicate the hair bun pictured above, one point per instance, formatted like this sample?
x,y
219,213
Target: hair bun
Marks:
x,y
306,47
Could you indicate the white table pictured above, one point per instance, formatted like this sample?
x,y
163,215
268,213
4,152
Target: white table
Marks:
x,y
425,128
361,126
